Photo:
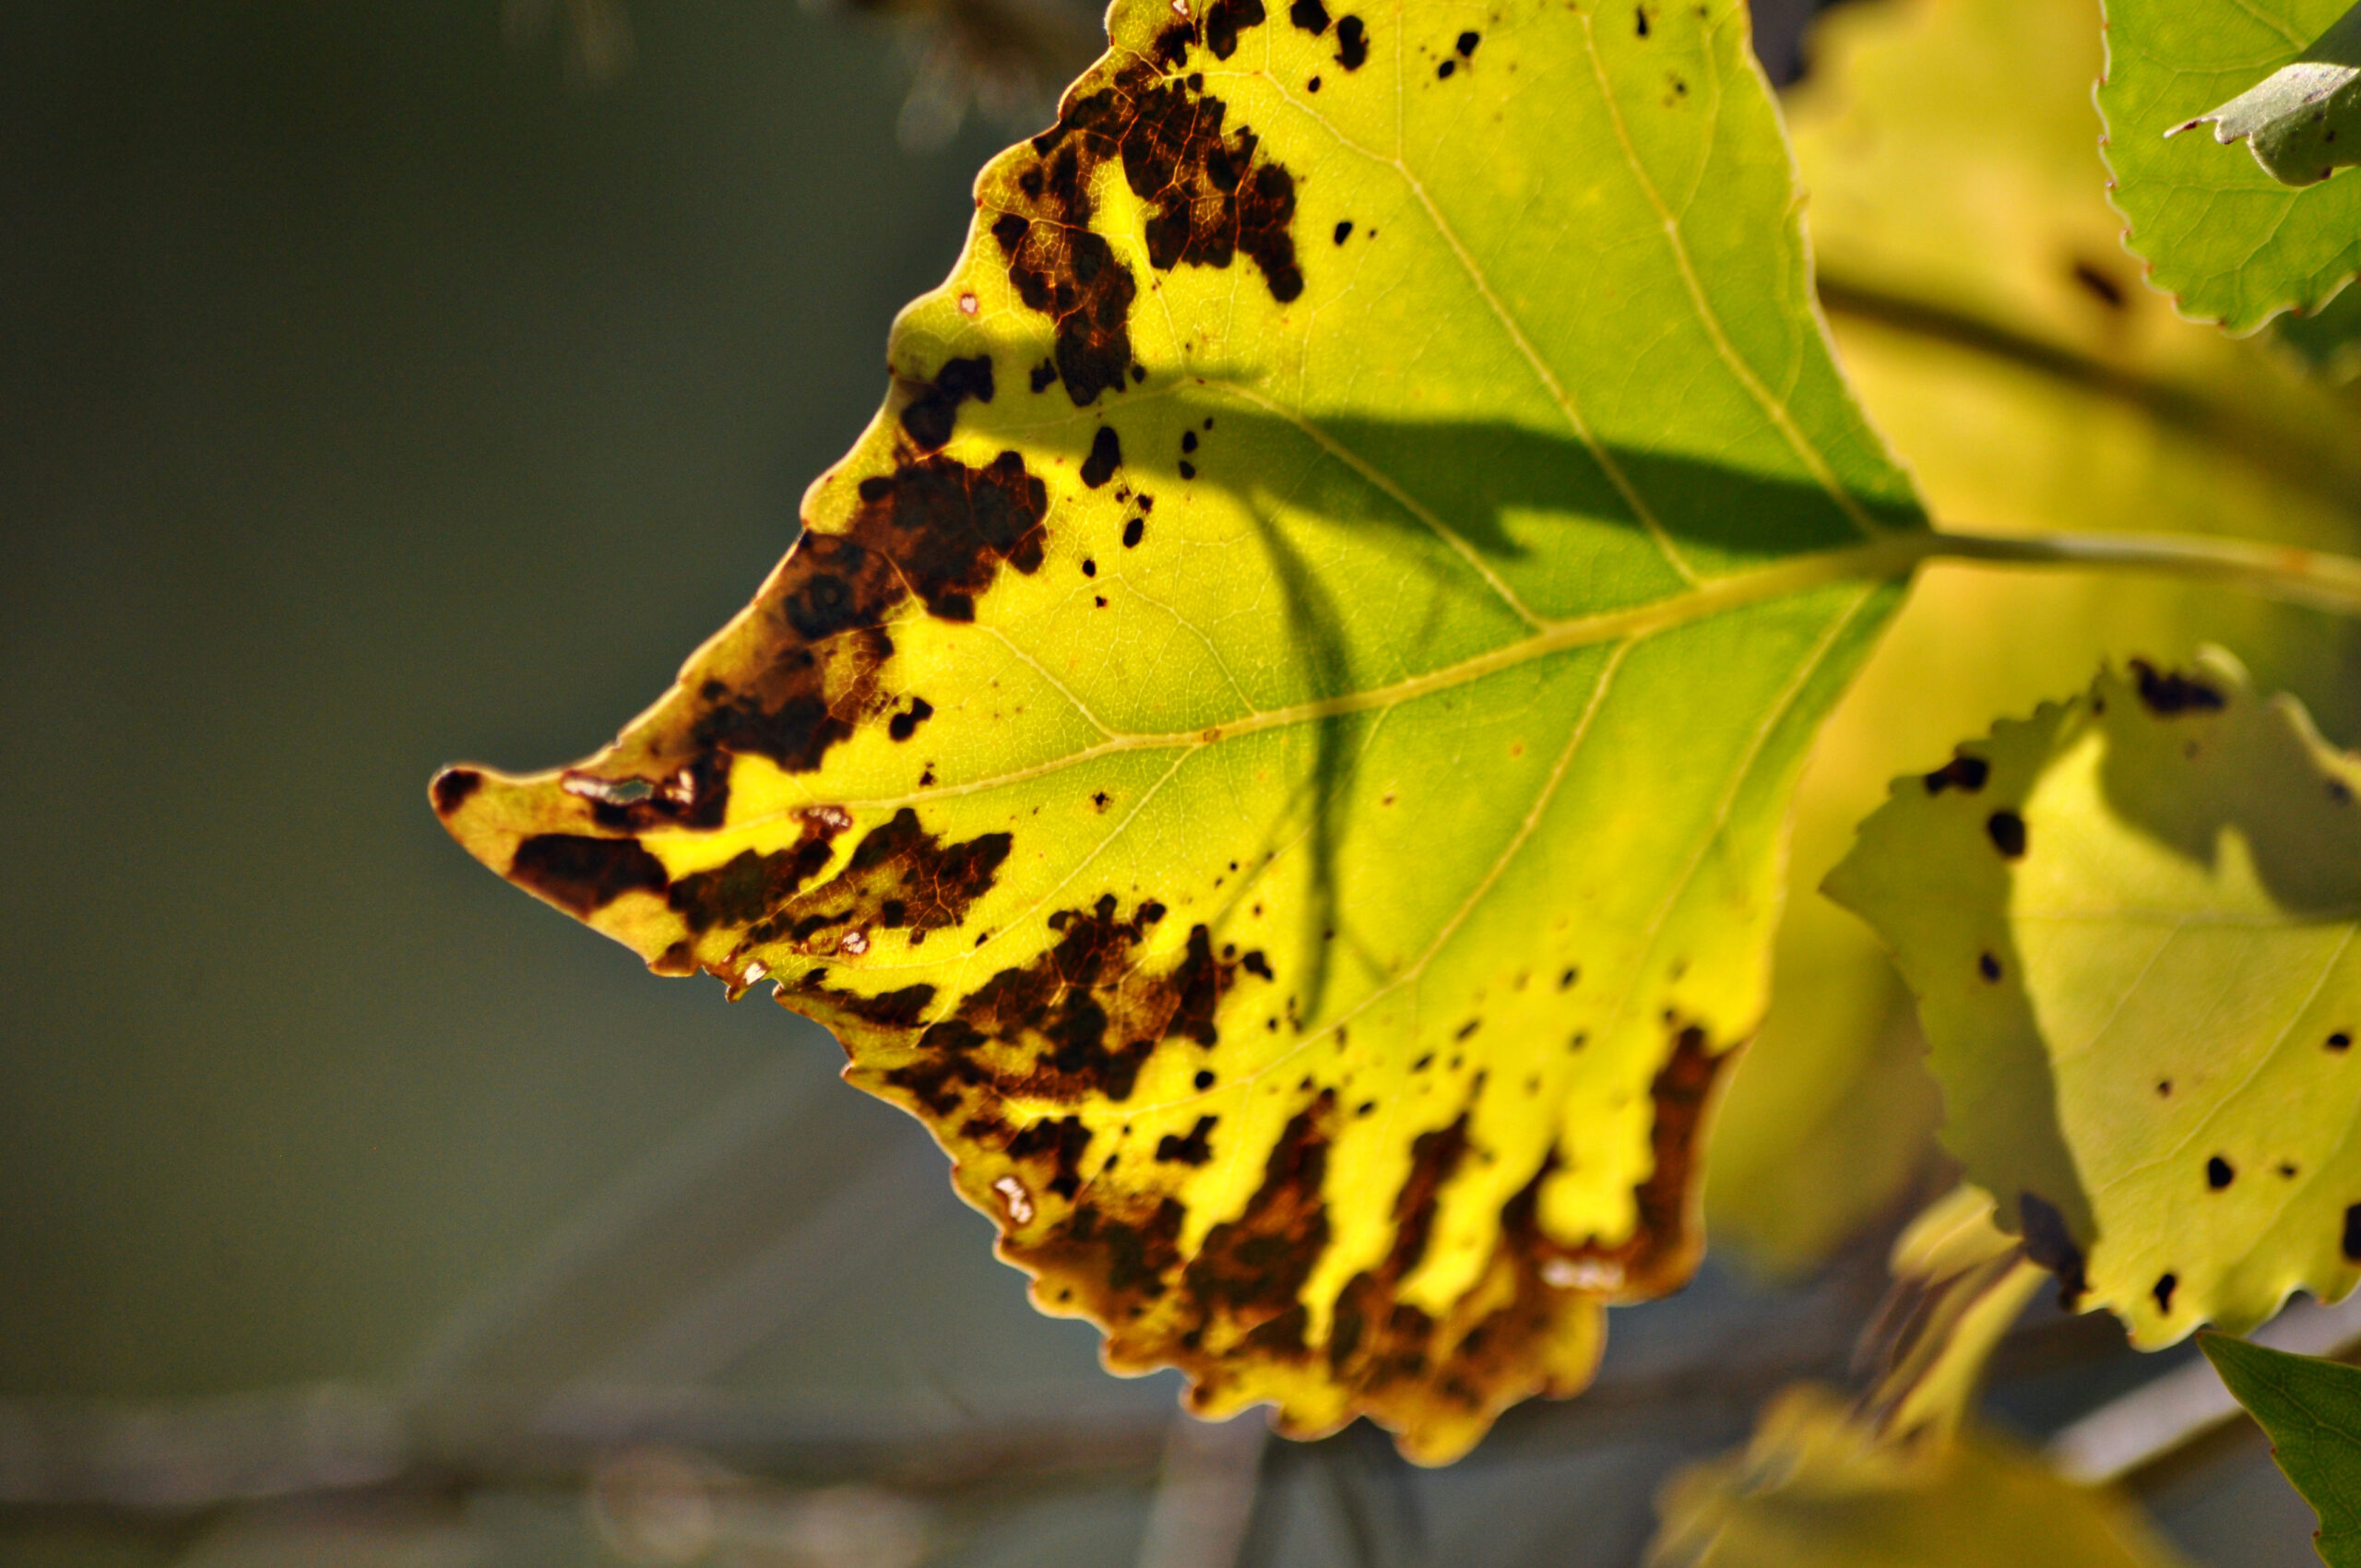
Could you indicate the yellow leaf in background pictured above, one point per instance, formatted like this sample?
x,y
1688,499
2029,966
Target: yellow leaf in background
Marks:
x,y
2000,337
1817,1489
2129,921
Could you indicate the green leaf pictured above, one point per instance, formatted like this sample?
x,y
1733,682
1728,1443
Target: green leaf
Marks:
x,y
2231,241
2292,120
1818,1488
1972,273
2129,923
2311,1407
1211,755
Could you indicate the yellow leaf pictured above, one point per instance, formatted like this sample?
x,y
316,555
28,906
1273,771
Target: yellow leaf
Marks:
x,y
1275,743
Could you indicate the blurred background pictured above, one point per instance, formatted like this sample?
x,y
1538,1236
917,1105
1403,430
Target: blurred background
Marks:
x,y
400,381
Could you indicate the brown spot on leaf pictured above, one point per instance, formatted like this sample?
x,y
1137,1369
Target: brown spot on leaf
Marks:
x,y
904,725
2352,1239
2007,831
898,876
1988,967
2218,1173
1352,44
743,889
2168,694
1106,457
2050,1244
2165,1286
1309,15
928,417
1194,1149
1963,773
1225,19
452,786
584,874
1063,1140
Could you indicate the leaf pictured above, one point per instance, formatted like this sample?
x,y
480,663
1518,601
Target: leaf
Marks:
x,y
2311,1407
2231,242
2000,338
1960,1284
1214,754
1817,1489
2293,118
2130,924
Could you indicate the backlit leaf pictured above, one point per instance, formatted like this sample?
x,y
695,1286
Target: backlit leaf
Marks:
x,y
2311,1407
1818,1488
2302,121
1274,743
2001,338
2229,241
2129,921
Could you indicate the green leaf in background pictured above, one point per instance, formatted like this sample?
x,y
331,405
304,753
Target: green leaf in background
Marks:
x,y
1972,273
1276,743
2229,241
2311,1407
2294,119
1818,1488
2129,923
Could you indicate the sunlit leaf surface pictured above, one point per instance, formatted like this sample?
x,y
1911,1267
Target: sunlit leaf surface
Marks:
x,y
2129,921
2228,240
2000,337
1819,1489
2312,1409
1274,743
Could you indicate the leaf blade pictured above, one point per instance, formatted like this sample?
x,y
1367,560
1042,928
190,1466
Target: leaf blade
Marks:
x,y
1196,757
2130,930
2311,1407
2228,240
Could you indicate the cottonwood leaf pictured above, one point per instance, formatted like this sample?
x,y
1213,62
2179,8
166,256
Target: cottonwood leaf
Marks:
x,y
2311,1407
2129,921
1274,743
1818,1488
2224,235
1960,1283
1972,273
2292,120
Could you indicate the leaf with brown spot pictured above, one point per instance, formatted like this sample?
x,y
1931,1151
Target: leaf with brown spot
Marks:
x,y
2155,1075
1233,665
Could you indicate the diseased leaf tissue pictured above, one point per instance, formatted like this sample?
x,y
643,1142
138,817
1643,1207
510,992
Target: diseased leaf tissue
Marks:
x,y
1273,746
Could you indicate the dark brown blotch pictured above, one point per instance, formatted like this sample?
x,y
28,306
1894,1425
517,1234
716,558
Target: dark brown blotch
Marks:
x,y
2050,1243
904,725
1225,19
747,885
1194,1149
928,417
1309,15
2007,831
1963,773
452,786
2218,1173
2170,693
1352,44
584,874
1106,457
1064,1141
2163,1291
